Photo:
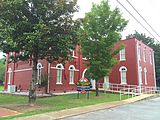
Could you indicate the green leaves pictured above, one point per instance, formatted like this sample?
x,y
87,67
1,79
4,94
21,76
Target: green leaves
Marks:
x,y
40,28
99,33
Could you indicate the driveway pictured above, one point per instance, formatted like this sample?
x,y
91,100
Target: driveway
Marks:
x,y
143,110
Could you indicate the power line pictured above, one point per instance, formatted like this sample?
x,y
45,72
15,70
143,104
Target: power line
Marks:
x,y
137,20
143,18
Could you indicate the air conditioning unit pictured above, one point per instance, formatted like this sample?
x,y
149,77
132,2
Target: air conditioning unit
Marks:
x,y
11,88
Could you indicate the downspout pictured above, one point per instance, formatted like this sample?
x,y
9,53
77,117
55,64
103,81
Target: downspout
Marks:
x,y
139,84
79,60
6,73
48,86
137,62
13,68
154,69
13,73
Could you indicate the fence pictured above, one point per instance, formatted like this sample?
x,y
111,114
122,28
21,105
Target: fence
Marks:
x,y
132,90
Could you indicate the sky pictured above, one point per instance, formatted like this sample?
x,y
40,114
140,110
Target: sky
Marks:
x,y
149,9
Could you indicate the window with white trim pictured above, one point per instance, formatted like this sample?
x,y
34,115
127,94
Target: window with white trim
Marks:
x,y
122,55
39,73
144,55
123,71
139,53
150,57
145,76
71,77
140,75
59,68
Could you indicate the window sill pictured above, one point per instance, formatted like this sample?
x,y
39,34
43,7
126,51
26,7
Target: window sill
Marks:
x,y
122,60
74,56
71,83
84,58
123,83
58,83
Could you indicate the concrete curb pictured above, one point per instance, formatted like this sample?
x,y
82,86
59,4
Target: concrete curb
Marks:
x,y
82,110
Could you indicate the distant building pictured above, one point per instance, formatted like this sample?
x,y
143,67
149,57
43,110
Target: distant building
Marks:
x,y
136,67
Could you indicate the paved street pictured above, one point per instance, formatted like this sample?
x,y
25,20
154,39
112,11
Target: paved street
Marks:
x,y
143,110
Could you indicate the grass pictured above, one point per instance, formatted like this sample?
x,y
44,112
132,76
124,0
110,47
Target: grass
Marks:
x,y
55,103
1,88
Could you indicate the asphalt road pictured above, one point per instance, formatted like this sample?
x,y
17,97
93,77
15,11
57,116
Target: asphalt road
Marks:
x,y
142,110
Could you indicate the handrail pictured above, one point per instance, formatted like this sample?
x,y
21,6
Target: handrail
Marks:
x,y
131,89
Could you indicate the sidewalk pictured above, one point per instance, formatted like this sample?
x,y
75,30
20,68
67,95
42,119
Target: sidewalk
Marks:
x,y
4,112
81,110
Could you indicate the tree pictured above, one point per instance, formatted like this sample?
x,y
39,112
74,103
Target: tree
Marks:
x,y
2,69
98,35
38,29
145,39
155,46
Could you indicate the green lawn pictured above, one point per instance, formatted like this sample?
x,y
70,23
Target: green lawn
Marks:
x,y
55,103
1,88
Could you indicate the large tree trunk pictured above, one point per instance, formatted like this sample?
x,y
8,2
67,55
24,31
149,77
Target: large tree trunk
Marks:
x,y
32,89
97,90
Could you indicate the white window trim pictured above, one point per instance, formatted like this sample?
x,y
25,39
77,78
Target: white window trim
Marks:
x,y
120,53
72,69
9,76
59,65
71,81
145,76
120,70
59,81
23,70
140,75
139,53
73,54
150,58
144,55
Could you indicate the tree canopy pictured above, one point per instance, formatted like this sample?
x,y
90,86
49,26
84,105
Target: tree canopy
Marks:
x,y
98,35
38,29
2,69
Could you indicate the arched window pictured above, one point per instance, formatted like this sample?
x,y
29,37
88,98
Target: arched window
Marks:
x,y
71,77
123,71
39,73
59,68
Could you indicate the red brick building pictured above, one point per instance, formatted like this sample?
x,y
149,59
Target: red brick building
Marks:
x,y
136,67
